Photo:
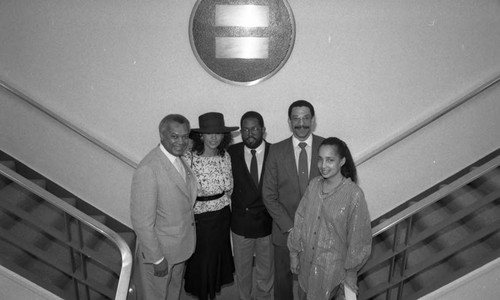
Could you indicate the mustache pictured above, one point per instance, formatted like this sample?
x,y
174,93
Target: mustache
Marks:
x,y
302,127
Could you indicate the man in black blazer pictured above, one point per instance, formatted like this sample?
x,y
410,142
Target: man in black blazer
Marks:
x,y
250,221
282,191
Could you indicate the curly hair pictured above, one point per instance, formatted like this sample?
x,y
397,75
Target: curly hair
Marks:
x,y
199,146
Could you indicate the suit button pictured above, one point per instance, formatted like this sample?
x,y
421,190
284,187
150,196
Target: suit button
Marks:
x,y
192,224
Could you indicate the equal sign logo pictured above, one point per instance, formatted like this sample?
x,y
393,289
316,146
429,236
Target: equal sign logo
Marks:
x,y
242,41
248,17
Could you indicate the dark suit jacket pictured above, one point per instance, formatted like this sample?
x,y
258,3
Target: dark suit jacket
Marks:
x,y
280,190
249,216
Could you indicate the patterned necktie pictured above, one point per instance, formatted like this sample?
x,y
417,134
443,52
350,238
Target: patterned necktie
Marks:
x,y
303,173
254,171
180,168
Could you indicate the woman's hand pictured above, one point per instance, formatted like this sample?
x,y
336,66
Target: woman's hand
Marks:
x,y
161,269
294,264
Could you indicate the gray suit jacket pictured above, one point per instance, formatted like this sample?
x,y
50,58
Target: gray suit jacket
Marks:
x,y
280,190
161,208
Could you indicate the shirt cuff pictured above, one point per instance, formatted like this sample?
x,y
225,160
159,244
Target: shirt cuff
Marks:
x,y
159,261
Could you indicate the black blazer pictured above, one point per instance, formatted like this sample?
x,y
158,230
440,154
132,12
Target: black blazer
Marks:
x,y
249,217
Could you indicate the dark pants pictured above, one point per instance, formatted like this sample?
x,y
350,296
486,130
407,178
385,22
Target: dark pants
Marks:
x,y
283,278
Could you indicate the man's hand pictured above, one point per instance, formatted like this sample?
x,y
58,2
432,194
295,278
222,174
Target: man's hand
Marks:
x,y
161,269
294,264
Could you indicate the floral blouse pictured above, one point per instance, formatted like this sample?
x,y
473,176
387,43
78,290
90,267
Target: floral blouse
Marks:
x,y
331,236
214,177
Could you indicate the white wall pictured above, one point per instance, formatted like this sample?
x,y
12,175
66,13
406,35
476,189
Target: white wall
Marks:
x,y
371,68
14,286
481,283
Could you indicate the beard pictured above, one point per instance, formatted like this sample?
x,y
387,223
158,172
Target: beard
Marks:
x,y
252,142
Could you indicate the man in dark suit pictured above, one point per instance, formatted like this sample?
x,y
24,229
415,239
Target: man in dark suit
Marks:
x,y
161,208
250,221
282,189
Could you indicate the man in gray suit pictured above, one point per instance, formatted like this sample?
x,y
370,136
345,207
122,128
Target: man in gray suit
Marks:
x,y
282,189
161,208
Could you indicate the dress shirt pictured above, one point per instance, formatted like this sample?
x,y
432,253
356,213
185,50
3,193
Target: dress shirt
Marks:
x,y
259,155
170,156
297,149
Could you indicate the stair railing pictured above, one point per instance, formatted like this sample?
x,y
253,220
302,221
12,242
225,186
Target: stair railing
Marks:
x,y
372,153
126,255
402,226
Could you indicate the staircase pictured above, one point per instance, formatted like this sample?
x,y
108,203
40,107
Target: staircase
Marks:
x,y
437,237
46,245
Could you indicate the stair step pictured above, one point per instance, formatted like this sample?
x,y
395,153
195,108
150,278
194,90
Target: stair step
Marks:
x,y
422,279
17,195
482,217
375,276
90,236
109,252
82,294
9,164
102,283
51,274
4,181
471,253
487,183
51,215
430,216
12,254
22,270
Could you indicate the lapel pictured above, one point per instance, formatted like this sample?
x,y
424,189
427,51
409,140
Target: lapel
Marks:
x,y
241,166
266,152
174,175
289,156
313,170
191,182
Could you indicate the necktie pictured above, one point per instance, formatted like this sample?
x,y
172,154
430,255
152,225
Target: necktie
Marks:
x,y
180,168
254,171
303,176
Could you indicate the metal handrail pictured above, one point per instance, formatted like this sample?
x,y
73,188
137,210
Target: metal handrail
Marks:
x,y
377,150
126,254
434,197
69,125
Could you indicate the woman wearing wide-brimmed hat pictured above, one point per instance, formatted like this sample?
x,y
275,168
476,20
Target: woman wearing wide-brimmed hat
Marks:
x,y
211,265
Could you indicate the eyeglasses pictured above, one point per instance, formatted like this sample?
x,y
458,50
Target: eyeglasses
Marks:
x,y
253,130
304,119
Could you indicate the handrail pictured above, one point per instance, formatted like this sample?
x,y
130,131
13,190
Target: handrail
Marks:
x,y
126,255
70,125
434,197
427,120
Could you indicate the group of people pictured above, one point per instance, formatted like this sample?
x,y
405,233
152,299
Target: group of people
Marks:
x,y
204,209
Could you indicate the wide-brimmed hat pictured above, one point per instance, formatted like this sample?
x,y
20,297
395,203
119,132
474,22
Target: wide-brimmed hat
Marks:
x,y
213,122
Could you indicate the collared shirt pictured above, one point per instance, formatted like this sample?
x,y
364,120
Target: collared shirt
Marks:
x,y
297,149
170,156
259,155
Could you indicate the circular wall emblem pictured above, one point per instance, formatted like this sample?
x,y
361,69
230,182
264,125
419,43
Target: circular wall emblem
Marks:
x,y
242,41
